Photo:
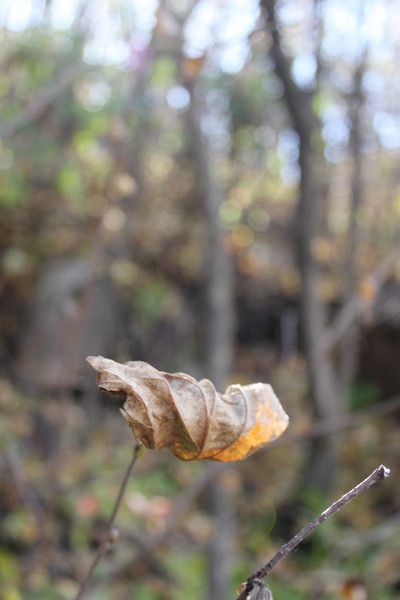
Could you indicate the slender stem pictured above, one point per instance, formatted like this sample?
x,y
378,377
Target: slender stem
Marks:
x,y
378,474
111,534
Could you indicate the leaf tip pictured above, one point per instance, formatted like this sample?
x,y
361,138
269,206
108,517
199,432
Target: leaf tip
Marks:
x,y
95,361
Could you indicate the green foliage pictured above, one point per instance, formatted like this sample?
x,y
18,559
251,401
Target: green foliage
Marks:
x,y
12,189
143,591
160,483
163,73
70,182
363,394
189,573
155,299
259,529
9,576
284,591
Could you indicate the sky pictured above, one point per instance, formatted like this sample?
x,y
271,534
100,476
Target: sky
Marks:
x,y
349,26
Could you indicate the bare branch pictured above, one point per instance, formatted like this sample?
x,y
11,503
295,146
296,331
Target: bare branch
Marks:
x,y
148,546
112,533
339,424
298,102
25,490
356,306
377,475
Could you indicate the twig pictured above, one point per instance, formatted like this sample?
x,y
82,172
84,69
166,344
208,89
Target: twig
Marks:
x,y
112,533
23,486
334,426
356,306
377,475
26,492
147,546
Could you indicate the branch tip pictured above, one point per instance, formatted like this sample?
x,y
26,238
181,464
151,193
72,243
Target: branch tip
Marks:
x,y
378,474
384,471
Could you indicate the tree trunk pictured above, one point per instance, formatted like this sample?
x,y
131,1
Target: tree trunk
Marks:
x,y
219,341
349,345
324,398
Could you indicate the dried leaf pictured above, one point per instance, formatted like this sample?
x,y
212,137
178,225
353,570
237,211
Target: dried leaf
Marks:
x,y
173,410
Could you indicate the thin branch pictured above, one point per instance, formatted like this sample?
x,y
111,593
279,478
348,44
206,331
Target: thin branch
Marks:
x,y
298,101
377,475
304,433
355,307
112,533
147,546
25,490
340,424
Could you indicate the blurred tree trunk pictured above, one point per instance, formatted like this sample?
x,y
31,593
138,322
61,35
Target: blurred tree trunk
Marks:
x,y
349,344
323,394
219,266
219,336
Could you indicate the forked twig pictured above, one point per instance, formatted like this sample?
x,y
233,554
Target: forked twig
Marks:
x,y
112,533
378,474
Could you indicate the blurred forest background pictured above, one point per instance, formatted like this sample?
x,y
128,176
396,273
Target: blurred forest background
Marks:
x,y
213,187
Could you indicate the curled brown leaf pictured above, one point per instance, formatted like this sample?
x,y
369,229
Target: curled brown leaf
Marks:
x,y
173,410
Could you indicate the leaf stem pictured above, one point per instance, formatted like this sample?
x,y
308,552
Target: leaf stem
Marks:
x,y
112,533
